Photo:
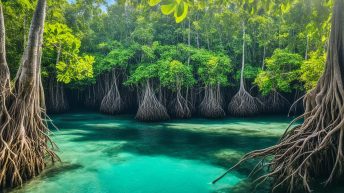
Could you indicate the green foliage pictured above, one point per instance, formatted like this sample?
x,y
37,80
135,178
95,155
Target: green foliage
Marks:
x,y
312,69
144,31
250,73
116,58
137,38
17,15
148,52
179,8
79,68
281,73
143,73
60,41
213,68
175,75
165,63
179,52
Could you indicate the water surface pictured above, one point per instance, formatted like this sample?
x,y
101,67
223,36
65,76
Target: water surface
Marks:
x,y
116,154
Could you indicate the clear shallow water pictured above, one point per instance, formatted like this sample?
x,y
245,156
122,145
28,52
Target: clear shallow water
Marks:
x,y
106,154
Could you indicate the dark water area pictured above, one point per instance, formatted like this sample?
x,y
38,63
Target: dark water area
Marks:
x,y
117,154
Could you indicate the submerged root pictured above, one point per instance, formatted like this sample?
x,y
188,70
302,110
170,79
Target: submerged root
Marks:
x,y
180,107
150,109
243,104
312,152
112,103
211,105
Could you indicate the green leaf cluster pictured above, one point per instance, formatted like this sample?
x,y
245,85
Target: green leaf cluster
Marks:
x,y
281,73
64,47
312,69
175,75
212,68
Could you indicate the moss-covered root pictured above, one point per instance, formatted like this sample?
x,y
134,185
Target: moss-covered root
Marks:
x,y
243,104
211,105
150,109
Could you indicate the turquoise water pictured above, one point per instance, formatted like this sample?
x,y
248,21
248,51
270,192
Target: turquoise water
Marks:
x,y
106,154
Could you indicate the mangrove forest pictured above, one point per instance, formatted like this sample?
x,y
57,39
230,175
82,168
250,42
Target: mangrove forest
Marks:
x,y
171,96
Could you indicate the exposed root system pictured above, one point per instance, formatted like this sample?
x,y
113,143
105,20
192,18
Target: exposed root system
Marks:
x,y
180,107
275,103
95,94
24,142
243,104
313,151
56,100
211,105
112,103
150,109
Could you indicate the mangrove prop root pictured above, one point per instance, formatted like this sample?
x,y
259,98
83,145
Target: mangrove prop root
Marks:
x,y
150,109
211,105
243,104
95,94
24,141
112,103
313,150
275,103
180,107
57,101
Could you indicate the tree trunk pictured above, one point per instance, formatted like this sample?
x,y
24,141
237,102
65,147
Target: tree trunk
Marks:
x,y
25,142
307,45
5,90
263,61
242,83
243,104
57,101
4,72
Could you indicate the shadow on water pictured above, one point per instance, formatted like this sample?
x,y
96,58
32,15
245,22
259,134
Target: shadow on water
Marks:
x,y
103,139
218,148
55,170
51,172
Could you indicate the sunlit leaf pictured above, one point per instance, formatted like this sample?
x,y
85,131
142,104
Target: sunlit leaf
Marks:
x,y
168,9
153,2
181,12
